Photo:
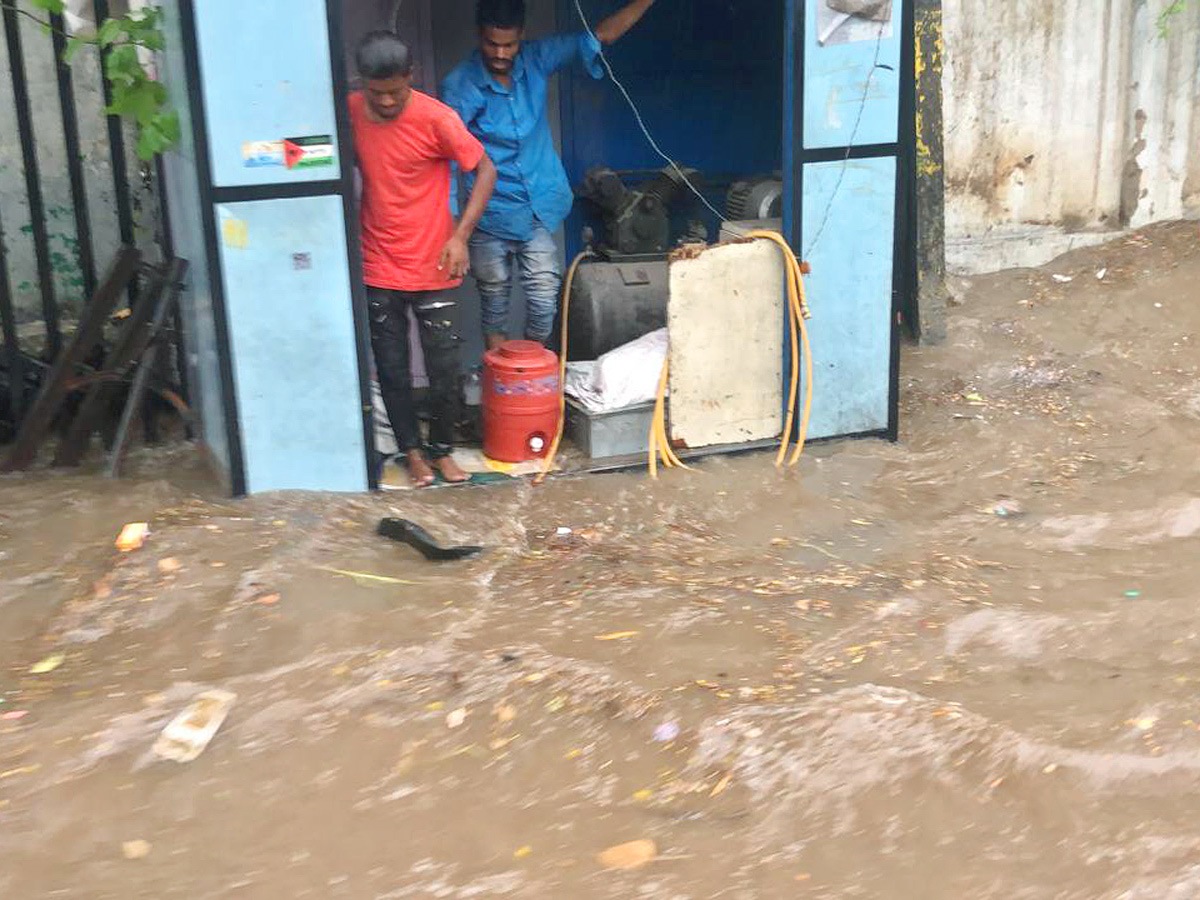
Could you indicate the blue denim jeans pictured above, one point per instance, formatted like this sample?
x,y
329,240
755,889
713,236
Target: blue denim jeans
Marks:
x,y
538,265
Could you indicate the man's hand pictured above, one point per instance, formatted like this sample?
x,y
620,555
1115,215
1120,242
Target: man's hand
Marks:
x,y
455,257
614,27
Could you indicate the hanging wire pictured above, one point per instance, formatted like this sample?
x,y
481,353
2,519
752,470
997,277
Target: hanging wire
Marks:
x,y
862,106
638,115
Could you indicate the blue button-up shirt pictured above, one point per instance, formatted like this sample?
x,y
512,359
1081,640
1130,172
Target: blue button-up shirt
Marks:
x,y
532,187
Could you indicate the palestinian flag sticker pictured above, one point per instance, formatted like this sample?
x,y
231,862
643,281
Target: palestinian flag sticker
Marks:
x,y
308,152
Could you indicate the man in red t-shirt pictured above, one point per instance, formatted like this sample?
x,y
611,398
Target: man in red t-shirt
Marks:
x,y
413,251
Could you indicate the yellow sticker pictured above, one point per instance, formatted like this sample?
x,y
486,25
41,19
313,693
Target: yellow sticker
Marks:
x,y
235,233
496,466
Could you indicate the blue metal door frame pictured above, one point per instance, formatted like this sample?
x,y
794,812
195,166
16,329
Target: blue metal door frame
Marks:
x,y
249,190
802,152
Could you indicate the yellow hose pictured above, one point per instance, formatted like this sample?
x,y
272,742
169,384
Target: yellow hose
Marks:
x,y
653,437
660,444
797,314
548,462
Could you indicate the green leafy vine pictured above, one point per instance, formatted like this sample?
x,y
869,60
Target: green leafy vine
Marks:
x,y
1168,16
136,95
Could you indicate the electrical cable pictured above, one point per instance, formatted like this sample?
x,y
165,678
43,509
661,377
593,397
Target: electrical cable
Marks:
x,y
862,106
638,116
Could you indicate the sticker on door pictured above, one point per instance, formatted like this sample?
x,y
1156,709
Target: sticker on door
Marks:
x,y
308,152
260,154
291,153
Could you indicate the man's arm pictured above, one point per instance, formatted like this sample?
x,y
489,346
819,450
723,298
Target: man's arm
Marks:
x,y
614,27
454,255
551,54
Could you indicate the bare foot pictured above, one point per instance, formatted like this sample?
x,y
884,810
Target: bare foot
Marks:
x,y
494,341
419,471
450,470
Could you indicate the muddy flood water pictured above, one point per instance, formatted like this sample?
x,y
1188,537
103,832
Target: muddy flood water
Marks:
x,y
960,666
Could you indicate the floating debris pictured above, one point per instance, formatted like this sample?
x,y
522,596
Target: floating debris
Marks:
x,y
406,532
21,770
632,855
364,576
1008,509
169,565
135,849
133,536
666,732
719,787
49,664
189,733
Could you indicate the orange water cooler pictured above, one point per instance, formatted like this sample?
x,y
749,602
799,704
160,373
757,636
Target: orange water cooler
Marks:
x,y
520,401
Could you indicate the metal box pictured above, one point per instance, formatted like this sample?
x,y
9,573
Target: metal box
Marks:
x,y
618,433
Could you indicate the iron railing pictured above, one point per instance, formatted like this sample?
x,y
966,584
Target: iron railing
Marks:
x,y
29,346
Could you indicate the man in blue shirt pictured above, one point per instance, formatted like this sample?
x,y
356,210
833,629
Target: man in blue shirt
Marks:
x,y
500,93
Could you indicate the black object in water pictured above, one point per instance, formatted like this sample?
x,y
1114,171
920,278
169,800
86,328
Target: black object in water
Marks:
x,y
415,536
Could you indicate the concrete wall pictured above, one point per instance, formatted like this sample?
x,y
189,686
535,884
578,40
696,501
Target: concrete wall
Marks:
x,y
1065,120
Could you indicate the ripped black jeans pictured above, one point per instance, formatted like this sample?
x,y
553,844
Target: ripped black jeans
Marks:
x,y
439,340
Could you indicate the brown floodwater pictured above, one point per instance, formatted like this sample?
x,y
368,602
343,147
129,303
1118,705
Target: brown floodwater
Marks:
x,y
959,666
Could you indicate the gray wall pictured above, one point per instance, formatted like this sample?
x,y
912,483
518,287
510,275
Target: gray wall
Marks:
x,y
1066,122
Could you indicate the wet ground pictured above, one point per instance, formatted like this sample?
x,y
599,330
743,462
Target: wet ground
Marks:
x,y
963,665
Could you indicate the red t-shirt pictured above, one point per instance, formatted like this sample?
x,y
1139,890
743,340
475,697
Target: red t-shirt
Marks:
x,y
405,166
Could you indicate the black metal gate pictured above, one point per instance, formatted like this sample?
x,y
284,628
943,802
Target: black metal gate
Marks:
x,y
34,313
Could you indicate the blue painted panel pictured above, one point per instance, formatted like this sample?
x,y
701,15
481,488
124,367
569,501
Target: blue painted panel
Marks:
x,y
187,229
266,78
850,292
851,82
296,370
708,79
